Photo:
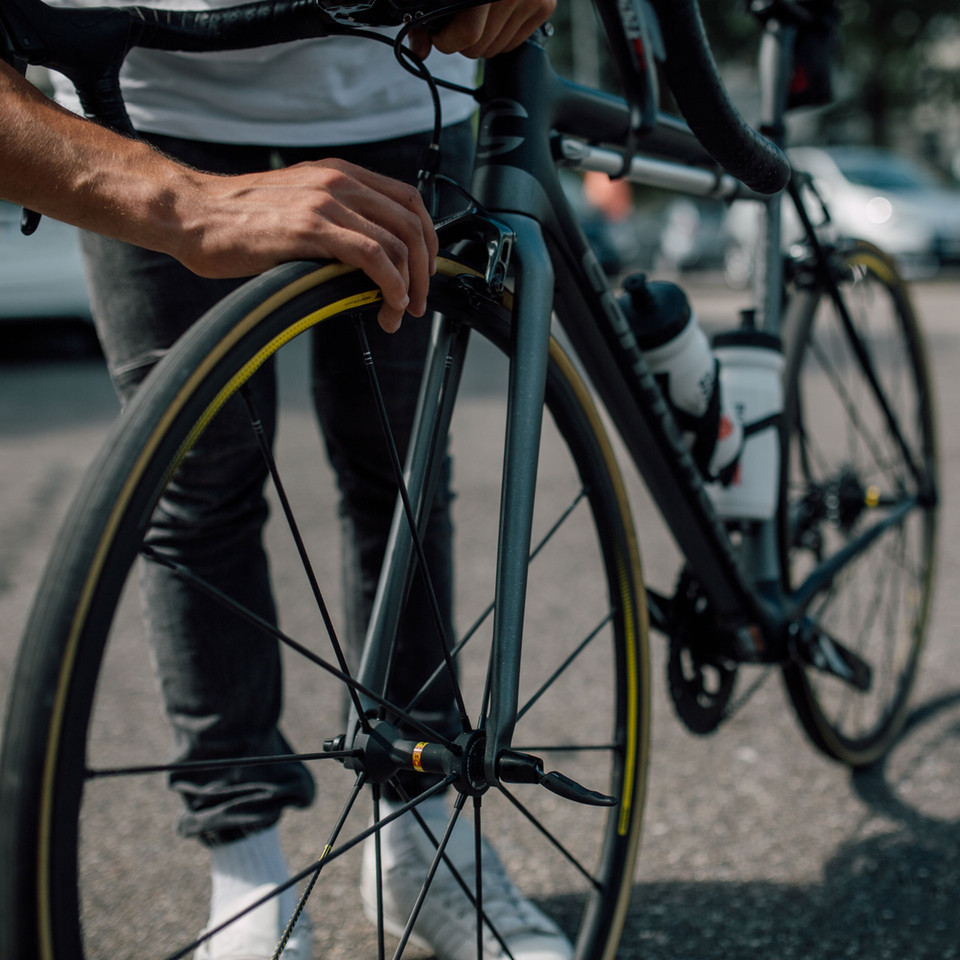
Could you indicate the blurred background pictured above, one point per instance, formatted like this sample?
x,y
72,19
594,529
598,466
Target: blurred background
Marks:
x,y
888,161
754,845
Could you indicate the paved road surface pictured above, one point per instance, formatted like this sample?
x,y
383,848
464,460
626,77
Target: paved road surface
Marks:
x,y
755,845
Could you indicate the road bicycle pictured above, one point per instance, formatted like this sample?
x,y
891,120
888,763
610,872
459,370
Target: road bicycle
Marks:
x,y
552,668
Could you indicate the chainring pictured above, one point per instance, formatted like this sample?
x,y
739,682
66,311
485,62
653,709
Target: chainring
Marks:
x,y
701,682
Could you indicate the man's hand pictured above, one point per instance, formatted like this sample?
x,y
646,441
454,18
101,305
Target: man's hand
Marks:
x,y
246,224
68,168
487,30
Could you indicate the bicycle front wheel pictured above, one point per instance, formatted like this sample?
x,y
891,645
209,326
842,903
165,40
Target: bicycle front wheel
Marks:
x,y
89,864
859,473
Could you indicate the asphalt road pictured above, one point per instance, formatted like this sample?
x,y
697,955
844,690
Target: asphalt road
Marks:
x,y
755,845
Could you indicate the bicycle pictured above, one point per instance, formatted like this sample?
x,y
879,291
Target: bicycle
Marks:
x,y
854,519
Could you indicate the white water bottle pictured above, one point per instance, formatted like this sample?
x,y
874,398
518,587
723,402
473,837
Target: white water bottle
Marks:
x,y
679,356
751,375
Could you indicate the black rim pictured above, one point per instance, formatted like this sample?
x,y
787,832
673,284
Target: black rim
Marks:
x,y
832,493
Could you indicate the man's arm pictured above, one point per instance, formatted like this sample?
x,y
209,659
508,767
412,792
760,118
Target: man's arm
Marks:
x,y
68,168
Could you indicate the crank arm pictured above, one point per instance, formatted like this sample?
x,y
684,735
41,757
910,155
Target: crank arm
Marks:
x,y
817,648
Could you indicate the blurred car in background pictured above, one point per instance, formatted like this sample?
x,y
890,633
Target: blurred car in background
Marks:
x,y
693,235
41,276
872,194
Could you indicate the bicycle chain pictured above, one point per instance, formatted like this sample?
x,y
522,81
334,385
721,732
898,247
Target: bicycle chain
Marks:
x,y
735,706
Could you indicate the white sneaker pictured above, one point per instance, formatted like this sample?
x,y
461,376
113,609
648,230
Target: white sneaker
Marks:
x,y
446,924
255,935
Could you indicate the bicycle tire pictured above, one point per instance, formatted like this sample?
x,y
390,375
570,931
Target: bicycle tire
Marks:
x,y
842,470
65,891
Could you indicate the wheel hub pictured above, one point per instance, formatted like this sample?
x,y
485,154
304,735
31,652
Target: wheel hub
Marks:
x,y
381,752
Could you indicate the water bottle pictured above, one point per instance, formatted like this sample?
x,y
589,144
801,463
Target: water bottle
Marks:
x,y
679,356
751,371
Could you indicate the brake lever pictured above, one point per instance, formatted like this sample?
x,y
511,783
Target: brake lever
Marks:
x,y
11,53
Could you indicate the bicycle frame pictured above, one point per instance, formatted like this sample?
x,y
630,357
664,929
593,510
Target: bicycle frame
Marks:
x,y
530,119
516,180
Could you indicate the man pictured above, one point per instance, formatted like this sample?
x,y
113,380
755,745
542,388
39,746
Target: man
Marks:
x,y
235,115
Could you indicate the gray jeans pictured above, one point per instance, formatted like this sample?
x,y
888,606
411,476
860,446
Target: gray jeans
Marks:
x,y
220,676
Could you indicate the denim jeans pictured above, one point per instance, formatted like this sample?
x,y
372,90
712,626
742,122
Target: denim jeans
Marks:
x,y
220,676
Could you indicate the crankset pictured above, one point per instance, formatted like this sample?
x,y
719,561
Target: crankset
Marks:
x,y
701,680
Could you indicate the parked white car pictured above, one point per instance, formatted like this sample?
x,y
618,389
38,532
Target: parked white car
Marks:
x,y
871,194
41,276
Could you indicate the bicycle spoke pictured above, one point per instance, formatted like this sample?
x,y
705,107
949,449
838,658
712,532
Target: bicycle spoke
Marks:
x,y
438,858
478,860
378,868
566,747
348,845
565,665
229,921
226,764
275,632
544,832
271,462
475,898
861,535
865,362
487,611
327,850
850,406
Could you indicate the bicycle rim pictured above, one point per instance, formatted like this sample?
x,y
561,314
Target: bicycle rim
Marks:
x,y
91,865
844,470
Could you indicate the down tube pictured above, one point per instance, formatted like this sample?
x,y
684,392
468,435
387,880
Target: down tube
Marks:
x,y
530,339
598,331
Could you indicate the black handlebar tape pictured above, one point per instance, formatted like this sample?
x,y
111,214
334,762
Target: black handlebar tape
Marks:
x,y
233,28
692,75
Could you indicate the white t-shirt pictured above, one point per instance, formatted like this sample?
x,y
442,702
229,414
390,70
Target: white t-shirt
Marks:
x,y
324,92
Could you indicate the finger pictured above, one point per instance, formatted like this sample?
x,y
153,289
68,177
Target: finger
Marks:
x,y
519,28
421,43
508,25
409,198
464,31
403,194
412,253
389,318
389,212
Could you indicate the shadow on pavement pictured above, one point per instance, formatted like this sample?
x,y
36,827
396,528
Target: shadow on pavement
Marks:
x,y
892,895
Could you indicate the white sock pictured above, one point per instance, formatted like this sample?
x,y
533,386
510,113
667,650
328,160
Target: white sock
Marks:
x,y
433,808
239,867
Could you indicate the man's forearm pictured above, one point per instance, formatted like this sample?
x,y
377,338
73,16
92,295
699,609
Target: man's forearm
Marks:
x,y
68,168
76,171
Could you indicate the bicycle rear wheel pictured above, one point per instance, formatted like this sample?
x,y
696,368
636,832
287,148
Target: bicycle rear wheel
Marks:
x,y
859,455
89,866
